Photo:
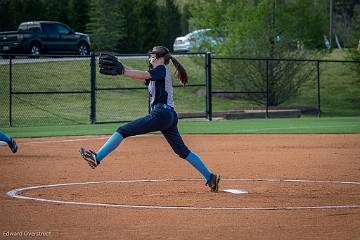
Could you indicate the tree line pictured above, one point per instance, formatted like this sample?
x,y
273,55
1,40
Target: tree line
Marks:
x,y
136,25
116,25
274,29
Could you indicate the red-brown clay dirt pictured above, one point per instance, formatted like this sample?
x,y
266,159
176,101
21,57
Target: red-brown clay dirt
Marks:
x,y
272,209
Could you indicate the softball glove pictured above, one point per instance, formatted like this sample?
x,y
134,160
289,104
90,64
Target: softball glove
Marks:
x,y
110,65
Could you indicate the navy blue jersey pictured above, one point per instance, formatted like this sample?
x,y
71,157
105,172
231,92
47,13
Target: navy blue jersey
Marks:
x,y
160,86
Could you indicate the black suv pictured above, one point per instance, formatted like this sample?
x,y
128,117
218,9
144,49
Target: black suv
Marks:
x,y
44,37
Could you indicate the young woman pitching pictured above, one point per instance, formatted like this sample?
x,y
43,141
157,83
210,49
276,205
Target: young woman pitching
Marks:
x,y
162,116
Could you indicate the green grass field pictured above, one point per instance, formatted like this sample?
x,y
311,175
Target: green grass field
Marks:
x,y
254,126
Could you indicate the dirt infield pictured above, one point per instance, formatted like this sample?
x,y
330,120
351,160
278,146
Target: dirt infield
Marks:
x,y
299,187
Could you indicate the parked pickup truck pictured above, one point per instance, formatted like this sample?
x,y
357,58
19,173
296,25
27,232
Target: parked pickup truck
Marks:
x,y
44,37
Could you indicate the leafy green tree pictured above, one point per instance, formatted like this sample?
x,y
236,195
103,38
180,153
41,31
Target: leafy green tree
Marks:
x,y
149,23
15,14
168,24
5,19
115,25
303,20
79,14
32,10
353,53
185,16
129,42
56,10
271,29
141,28
106,24
345,15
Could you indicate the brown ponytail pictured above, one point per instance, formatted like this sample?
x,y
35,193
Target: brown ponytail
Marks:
x,y
180,72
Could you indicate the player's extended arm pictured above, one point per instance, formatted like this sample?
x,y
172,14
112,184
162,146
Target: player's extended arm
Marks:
x,y
137,74
110,65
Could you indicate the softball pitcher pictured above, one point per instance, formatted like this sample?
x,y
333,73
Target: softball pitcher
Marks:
x,y
10,141
162,116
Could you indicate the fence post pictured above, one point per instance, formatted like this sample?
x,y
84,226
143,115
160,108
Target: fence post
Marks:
x,y
93,88
267,88
208,86
10,91
318,86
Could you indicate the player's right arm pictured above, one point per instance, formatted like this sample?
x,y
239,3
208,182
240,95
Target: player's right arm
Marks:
x,y
136,74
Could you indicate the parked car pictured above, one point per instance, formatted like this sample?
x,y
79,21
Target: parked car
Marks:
x,y
198,40
44,37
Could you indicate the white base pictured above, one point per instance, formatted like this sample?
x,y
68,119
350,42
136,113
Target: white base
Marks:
x,y
236,191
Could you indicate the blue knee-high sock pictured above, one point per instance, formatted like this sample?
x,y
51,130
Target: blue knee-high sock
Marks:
x,y
196,161
4,137
112,143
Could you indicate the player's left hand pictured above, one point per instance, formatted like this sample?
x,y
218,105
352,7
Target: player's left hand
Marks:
x,y
110,65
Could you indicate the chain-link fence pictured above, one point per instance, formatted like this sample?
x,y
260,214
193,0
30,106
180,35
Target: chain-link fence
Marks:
x,y
120,99
265,87
44,91
52,90
249,87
